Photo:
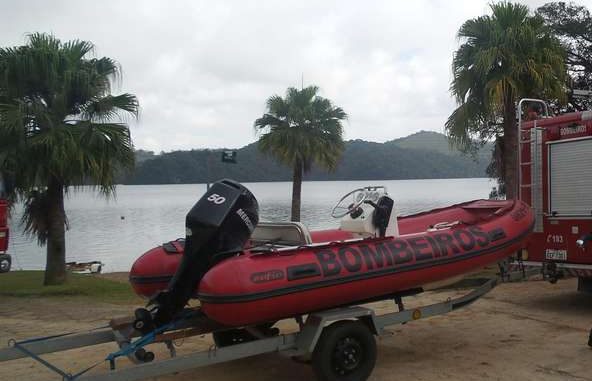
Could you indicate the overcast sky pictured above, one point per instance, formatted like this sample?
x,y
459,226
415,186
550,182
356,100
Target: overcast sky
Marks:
x,y
203,70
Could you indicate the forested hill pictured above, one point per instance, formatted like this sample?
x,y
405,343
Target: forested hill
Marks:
x,y
423,155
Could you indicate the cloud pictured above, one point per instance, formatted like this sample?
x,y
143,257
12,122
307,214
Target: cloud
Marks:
x,y
203,70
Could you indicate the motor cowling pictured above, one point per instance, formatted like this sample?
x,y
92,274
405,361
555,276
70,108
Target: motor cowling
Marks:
x,y
218,226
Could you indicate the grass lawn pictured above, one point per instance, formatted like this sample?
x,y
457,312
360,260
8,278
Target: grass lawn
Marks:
x,y
30,284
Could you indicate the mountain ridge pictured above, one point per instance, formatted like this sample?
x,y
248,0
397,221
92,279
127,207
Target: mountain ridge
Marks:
x,y
425,154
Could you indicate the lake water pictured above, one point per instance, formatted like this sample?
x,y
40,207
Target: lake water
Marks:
x,y
118,230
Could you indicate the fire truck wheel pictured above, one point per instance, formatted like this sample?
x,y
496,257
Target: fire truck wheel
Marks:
x,y
5,262
346,351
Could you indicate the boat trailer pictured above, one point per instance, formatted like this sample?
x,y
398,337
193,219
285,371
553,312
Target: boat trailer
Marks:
x,y
350,328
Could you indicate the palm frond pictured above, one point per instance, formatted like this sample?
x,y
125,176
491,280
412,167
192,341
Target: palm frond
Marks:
x,y
503,56
59,121
302,128
34,219
109,108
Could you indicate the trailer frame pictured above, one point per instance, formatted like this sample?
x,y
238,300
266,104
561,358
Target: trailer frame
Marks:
x,y
300,344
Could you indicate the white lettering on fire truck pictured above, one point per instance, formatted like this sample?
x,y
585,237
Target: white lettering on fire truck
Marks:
x,y
555,238
572,130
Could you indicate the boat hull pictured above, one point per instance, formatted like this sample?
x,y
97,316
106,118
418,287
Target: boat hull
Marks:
x,y
259,287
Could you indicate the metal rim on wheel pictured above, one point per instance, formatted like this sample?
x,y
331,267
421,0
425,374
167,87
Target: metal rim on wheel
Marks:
x,y
347,356
345,351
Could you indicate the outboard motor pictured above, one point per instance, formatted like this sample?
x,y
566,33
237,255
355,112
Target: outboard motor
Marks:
x,y
218,226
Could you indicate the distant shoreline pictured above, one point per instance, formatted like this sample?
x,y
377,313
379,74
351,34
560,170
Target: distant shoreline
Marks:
x,y
424,155
318,181
117,276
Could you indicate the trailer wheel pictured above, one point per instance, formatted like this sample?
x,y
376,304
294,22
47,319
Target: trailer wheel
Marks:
x,y
346,351
143,355
143,322
5,263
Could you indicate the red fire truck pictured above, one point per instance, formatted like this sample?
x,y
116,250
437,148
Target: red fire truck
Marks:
x,y
5,259
555,178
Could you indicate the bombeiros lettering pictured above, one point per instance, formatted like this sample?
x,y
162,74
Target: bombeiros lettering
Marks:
x,y
401,252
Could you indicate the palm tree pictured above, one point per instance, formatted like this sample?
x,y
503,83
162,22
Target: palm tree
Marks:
x,y
503,57
299,130
59,127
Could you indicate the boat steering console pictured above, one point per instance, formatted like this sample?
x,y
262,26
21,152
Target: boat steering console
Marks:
x,y
369,195
367,210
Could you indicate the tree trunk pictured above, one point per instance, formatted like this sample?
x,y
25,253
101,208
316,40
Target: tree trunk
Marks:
x,y
55,268
510,154
296,191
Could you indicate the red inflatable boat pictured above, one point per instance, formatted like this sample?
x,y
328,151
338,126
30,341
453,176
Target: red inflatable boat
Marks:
x,y
285,271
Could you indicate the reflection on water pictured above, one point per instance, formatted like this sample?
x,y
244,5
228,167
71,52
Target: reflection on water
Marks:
x,y
117,231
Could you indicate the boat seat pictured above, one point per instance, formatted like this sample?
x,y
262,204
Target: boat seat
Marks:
x,y
281,234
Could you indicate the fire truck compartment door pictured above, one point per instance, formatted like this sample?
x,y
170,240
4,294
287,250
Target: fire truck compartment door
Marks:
x,y
570,178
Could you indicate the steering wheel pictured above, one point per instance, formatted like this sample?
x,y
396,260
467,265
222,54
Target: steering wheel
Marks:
x,y
340,210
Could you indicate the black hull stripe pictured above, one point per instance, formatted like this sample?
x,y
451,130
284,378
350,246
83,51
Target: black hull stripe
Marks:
x,y
137,279
222,299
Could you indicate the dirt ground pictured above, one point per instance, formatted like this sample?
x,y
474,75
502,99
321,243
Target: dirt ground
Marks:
x,y
520,331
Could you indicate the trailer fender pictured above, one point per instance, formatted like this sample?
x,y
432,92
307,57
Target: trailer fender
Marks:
x,y
315,323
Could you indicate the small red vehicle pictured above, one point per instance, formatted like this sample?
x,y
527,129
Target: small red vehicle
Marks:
x,y
555,178
5,259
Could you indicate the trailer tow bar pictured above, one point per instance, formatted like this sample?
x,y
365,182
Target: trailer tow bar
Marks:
x,y
22,347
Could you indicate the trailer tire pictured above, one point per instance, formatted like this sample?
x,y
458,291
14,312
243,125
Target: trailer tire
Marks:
x,y
143,322
346,351
143,355
5,263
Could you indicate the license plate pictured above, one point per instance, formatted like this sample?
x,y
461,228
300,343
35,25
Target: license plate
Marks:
x,y
556,255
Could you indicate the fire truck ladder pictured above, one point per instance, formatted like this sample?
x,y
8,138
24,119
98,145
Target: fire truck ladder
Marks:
x,y
534,163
